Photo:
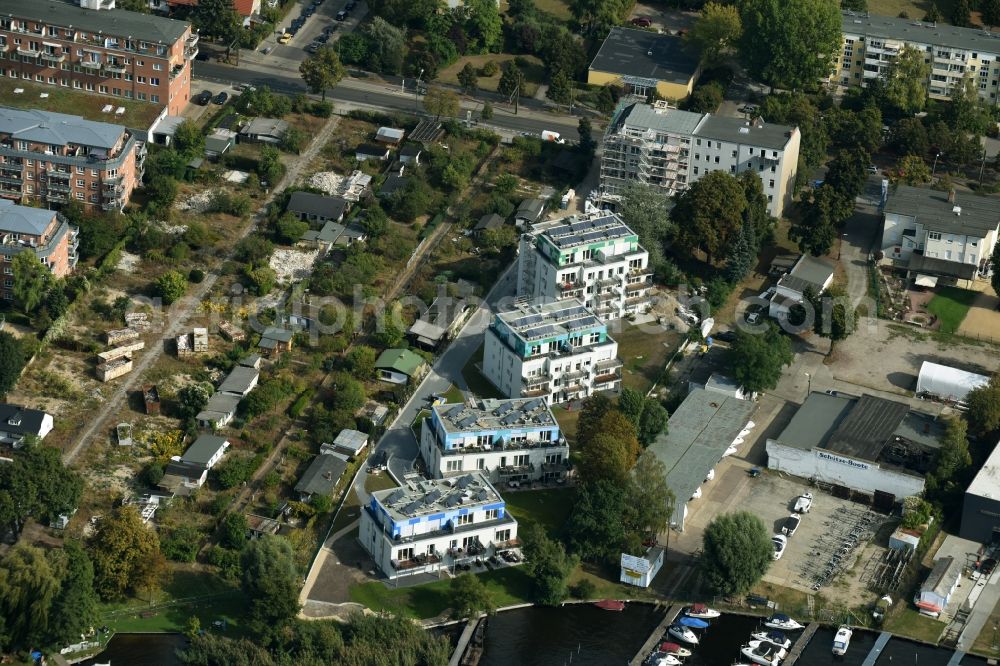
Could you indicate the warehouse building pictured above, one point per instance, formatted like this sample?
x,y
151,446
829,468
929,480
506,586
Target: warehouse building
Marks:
x,y
697,437
867,445
981,510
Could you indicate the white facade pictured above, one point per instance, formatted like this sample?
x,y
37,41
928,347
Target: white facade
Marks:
x,y
841,470
558,351
902,235
595,258
641,570
508,441
663,146
425,526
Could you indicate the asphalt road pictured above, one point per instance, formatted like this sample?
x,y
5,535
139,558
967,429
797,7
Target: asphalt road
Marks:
x,y
354,93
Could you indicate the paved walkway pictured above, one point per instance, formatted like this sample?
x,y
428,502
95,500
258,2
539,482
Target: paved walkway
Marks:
x,y
985,602
855,243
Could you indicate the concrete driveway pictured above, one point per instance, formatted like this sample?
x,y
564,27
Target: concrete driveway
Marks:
x,y
856,241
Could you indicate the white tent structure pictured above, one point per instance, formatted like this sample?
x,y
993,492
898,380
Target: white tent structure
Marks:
x,y
947,383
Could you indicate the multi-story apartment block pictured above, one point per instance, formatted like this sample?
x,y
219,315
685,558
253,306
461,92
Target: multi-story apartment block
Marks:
x,y
54,158
112,53
871,44
663,146
46,233
938,236
557,351
424,526
508,441
596,259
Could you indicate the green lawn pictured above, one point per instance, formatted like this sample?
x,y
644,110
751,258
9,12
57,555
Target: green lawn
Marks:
x,y
909,622
139,115
915,9
549,508
475,380
987,640
187,593
644,353
567,419
454,394
509,586
950,305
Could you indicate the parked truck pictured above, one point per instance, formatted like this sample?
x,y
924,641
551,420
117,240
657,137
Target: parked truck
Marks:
x,y
548,135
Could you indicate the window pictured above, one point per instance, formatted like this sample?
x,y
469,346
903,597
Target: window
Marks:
x,y
140,79
696,171
79,182
933,235
770,183
451,465
154,98
481,463
157,67
484,440
404,553
464,520
595,338
535,349
492,514
501,535
154,80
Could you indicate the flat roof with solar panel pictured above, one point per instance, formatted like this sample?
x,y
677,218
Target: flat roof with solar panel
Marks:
x,y
427,497
547,320
573,231
495,415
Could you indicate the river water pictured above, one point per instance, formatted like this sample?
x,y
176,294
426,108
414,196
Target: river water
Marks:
x,y
586,636
583,635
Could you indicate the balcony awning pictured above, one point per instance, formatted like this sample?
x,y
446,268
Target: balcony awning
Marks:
x,y
925,281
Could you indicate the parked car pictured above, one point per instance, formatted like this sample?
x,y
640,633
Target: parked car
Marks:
x,y
245,87
803,503
780,542
987,566
791,524
285,38
202,98
873,169
341,15
749,108
642,21
221,98
312,48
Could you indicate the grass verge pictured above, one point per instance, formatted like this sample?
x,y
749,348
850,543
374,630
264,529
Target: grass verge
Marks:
x,y
644,353
910,623
509,586
549,508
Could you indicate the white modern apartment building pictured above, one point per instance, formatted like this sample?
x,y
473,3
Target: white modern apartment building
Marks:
x,y
508,441
596,259
871,44
939,236
669,148
427,525
556,351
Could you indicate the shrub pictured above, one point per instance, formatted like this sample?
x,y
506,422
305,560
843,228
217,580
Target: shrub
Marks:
x,y
170,286
584,589
197,276
490,68
322,109
181,544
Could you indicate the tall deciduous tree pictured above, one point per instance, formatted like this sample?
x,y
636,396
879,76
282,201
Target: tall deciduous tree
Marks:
x,y
126,554
630,403
270,580
610,451
911,170
322,70
790,42
441,102
716,31
38,486
905,85
644,209
31,280
653,421
560,88
709,214
652,502
468,78
736,552
820,216
28,587
511,78
13,356
756,359
217,18
835,318
847,172
960,13
468,597
984,408
484,25
989,11
74,609
597,529
548,564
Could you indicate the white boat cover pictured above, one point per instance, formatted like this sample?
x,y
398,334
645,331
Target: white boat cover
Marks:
x,y
946,382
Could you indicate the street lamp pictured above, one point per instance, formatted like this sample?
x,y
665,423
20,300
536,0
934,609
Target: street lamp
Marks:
x,y
934,169
416,90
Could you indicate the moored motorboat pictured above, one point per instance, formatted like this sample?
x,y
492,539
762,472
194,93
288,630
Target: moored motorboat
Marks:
x,y
762,646
701,611
674,649
659,659
692,622
610,604
760,655
772,636
683,634
842,640
782,622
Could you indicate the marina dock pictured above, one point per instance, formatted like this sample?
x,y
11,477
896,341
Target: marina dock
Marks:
x,y
657,636
801,643
956,658
880,642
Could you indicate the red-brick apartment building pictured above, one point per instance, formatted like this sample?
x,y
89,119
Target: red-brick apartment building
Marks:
x,y
55,158
113,52
47,233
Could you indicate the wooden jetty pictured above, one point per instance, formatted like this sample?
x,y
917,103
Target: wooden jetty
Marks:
x,y
657,636
880,642
800,645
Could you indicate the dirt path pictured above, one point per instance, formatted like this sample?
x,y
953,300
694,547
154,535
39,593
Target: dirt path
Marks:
x,y
983,320
182,311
